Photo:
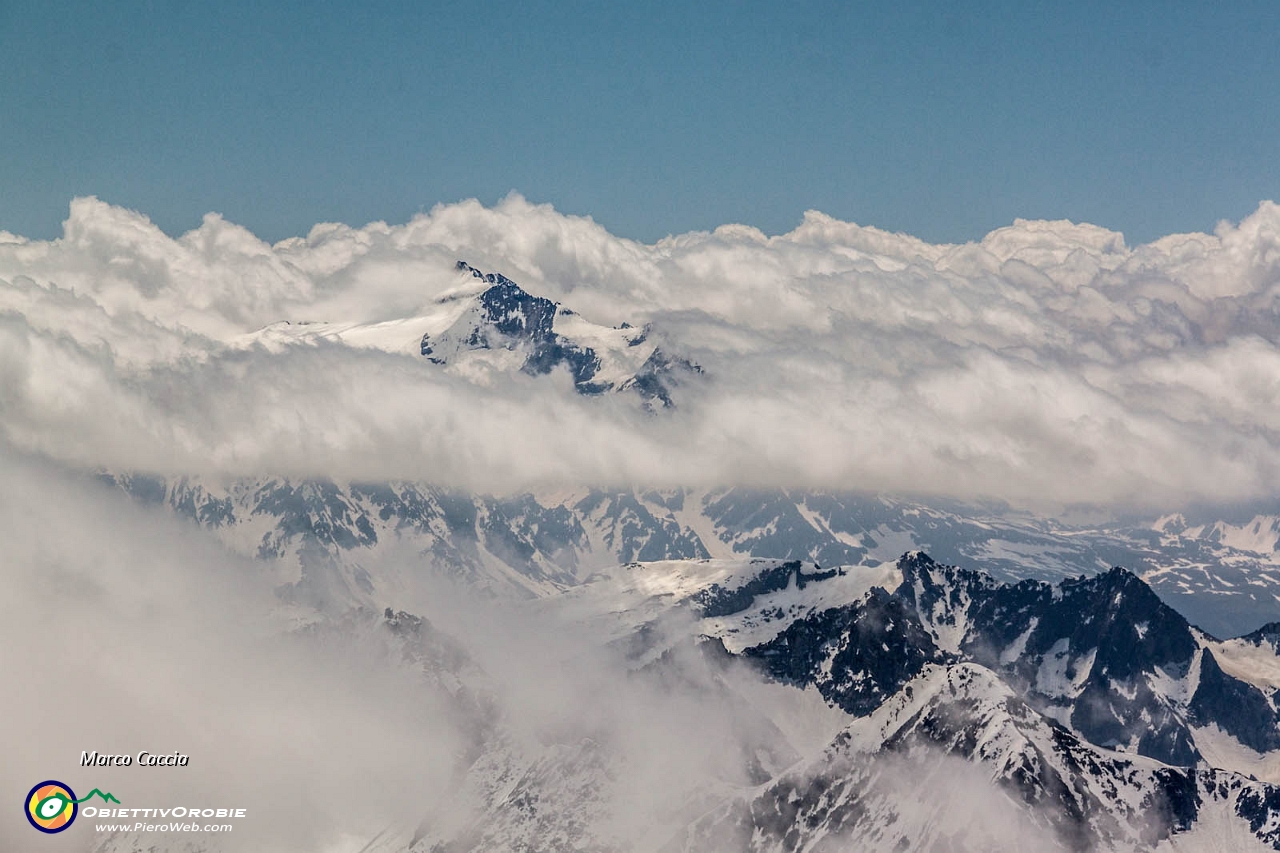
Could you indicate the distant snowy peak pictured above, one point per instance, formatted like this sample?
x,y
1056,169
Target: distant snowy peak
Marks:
x,y
1259,534
570,534
489,325
546,335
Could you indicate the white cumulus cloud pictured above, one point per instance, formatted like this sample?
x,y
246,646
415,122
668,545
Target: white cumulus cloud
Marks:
x,y
1049,362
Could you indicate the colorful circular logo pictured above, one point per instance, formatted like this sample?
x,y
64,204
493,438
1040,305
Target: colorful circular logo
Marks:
x,y
51,806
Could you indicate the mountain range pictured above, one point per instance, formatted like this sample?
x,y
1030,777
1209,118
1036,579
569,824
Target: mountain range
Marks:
x,y
866,671
1079,698
322,534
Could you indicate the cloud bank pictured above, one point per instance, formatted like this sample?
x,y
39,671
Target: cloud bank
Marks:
x,y
1047,363
128,630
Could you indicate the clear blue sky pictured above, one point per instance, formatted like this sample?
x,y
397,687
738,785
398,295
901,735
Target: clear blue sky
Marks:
x,y
944,120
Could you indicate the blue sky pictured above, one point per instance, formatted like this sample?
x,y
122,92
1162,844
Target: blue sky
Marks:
x,y
942,120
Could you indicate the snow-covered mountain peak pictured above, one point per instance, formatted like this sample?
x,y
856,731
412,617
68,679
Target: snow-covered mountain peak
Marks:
x,y
489,324
548,335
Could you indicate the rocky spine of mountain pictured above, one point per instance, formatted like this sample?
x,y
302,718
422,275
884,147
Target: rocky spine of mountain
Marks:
x,y
508,317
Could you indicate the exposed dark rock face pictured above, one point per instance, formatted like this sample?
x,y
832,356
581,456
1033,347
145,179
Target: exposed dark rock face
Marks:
x,y
892,792
1237,707
857,656
1268,635
716,600
1096,652
1093,644
511,318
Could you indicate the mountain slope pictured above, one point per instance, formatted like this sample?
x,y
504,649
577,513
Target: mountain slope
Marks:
x,y
896,780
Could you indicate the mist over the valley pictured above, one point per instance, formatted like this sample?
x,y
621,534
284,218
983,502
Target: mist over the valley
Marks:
x,y
127,630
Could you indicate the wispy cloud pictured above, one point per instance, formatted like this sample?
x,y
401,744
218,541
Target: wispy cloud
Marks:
x,y
125,629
